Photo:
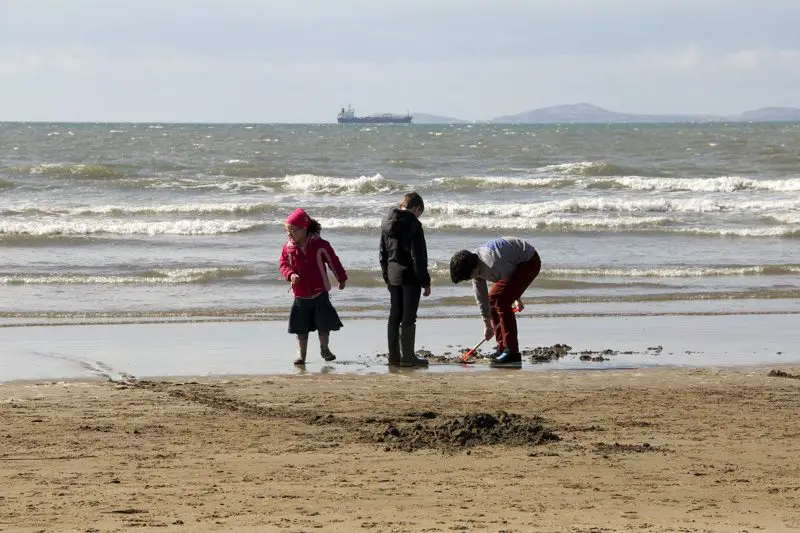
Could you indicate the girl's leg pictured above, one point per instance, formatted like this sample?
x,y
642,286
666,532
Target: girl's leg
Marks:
x,y
302,349
324,351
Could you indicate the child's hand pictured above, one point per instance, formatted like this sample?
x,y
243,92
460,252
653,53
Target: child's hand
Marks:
x,y
488,331
341,285
426,291
293,279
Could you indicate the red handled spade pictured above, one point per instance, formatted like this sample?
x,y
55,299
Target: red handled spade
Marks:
x,y
467,355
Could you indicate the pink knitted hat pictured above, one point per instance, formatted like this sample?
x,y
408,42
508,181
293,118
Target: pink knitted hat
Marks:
x,y
299,219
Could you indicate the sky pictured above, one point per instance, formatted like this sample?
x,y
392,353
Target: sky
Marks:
x,y
303,60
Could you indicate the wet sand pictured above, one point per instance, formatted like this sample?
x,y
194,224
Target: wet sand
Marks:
x,y
590,451
264,348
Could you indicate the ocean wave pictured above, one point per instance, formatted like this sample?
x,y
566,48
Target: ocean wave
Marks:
x,y
511,223
467,183
555,223
675,271
614,204
167,209
150,277
122,227
628,182
4,184
774,231
722,184
785,218
590,168
70,170
311,183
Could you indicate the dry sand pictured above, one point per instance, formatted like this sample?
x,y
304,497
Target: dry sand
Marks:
x,y
639,450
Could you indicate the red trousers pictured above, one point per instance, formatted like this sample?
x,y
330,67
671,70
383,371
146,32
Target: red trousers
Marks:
x,y
501,300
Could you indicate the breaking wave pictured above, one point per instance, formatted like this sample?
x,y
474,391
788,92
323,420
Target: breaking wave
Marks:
x,y
676,271
630,182
591,168
615,204
155,276
310,183
722,184
122,227
70,170
188,208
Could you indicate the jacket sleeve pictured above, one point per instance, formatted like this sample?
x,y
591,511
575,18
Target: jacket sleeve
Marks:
x,y
419,257
383,258
482,298
333,261
285,267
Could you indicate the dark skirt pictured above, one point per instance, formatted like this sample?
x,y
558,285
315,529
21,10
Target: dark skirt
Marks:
x,y
313,314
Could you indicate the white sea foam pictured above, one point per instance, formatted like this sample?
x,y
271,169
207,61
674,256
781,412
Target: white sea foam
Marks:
x,y
636,183
624,204
772,231
670,272
722,184
190,208
513,223
495,182
311,183
124,227
786,218
157,276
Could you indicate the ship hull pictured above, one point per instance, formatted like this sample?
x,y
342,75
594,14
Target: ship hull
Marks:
x,y
374,120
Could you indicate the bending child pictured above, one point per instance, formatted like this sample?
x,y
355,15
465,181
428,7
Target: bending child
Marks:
x,y
303,264
511,264
404,264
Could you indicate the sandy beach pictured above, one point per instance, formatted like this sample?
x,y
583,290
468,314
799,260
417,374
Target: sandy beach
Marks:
x,y
616,450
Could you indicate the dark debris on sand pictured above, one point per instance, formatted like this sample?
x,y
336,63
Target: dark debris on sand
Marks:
x,y
449,433
541,354
782,374
544,354
608,449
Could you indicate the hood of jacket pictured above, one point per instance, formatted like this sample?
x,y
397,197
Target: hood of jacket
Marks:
x,y
399,222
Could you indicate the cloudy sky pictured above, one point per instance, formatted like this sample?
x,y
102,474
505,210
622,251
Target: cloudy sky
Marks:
x,y
302,60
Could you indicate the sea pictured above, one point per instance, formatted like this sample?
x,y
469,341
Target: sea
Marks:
x,y
105,223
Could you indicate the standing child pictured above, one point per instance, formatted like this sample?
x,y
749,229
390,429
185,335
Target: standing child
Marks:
x,y
404,264
511,264
302,264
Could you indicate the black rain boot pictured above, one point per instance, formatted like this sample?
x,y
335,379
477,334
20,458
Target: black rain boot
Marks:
x,y
409,358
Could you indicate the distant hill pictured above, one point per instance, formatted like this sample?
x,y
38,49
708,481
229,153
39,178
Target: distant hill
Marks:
x,y
771,114
591,114
422,118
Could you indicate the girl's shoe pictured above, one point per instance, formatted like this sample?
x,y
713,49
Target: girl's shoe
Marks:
x,y
327,354
300,361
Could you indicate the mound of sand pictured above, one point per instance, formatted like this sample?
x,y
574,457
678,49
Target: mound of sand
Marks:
x,y
431,430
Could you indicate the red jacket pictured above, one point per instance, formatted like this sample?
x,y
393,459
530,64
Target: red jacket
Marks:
x,y
308,261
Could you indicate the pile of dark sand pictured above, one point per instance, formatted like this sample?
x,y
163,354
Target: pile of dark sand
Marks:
x,y
541,354
544,354
782,374
442,432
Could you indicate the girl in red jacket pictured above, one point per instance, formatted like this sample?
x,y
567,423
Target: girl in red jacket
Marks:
x,y
303,264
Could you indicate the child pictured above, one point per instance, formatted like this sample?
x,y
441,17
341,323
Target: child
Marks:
x,y
404,263
302,264
511,264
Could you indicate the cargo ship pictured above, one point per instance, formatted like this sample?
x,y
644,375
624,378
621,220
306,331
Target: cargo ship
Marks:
x,y
348,116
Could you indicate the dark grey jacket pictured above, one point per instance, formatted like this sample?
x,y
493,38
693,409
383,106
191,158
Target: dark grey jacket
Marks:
x,y
403,252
